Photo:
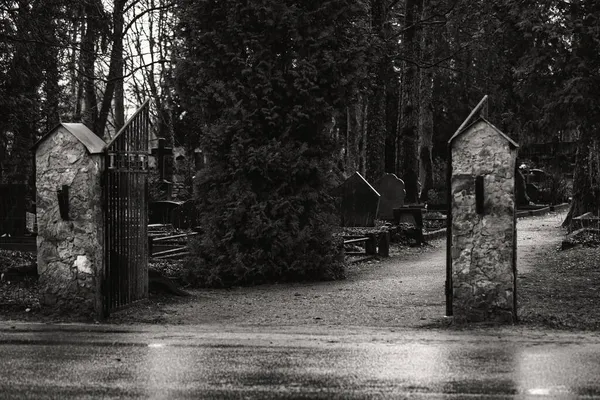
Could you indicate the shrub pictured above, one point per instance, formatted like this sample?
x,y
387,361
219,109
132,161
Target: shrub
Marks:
x,y
265,77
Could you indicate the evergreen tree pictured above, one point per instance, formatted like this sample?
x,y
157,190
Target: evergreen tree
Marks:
x,y
558,76
265,77
579,98
28,62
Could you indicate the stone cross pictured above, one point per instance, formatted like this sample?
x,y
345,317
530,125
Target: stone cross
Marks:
x,y
359,203
392,194
163,156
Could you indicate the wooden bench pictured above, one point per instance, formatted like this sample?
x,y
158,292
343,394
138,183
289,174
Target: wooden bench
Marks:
x,y
375,243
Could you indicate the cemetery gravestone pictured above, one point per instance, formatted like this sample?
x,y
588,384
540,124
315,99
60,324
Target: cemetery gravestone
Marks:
x,y
482,240
164,159
186,216
12,209
359,203
161,212
392,192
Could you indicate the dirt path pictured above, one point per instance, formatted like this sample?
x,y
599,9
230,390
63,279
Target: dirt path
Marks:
x,y
406,290
537,236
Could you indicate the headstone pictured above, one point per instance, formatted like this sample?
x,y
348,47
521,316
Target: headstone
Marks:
x,y
392,192
186,216
12,209
164,157
161,212
359,202
482,241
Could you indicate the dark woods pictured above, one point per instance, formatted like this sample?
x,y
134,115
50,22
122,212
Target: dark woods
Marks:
x,y
287,98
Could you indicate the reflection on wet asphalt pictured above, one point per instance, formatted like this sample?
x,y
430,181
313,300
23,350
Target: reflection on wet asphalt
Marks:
x,y
255,363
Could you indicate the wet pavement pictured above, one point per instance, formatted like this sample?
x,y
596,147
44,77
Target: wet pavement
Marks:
x,y
163,362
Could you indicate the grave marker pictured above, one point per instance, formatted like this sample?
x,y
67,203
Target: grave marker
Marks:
x,y
359,203
12,209
164,159
392,192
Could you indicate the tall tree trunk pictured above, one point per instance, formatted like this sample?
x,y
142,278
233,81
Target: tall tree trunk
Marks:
x,y
52,90
376,120
426,109
51,54
409,134
361,119
354,157
392,99
119,102
89,114
115,73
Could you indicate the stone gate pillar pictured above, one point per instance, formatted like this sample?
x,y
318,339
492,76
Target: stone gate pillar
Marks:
x,y
70,255
481,281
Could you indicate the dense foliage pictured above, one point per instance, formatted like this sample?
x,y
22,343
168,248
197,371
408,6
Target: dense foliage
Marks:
x,y
283,94
265,78
560,77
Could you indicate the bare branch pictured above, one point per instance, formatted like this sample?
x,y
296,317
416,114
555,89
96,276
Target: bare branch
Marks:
x,y
146,11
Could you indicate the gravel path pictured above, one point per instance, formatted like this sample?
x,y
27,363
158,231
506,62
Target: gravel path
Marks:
x,y
537,236
405,290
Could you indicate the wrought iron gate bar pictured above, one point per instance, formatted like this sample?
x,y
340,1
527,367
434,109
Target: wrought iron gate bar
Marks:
x,y
126,269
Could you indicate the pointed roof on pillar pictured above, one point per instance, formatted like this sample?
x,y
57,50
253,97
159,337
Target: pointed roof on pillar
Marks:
x,y
477,115
89,139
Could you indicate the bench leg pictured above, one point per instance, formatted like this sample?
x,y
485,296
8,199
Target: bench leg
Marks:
x,y
383,248
371,245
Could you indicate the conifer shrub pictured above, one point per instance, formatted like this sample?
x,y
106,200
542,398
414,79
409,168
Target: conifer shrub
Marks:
x,y
264,78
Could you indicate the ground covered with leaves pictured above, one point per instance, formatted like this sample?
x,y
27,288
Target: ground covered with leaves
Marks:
x,y
563,291
18,295
16,291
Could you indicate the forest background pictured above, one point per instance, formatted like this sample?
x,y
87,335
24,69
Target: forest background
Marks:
x,y
288,97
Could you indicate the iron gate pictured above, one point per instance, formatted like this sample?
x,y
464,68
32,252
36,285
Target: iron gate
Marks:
x,y
126,211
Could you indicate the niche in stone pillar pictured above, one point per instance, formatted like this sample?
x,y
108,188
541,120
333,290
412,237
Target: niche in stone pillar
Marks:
x,y
481,270
70,257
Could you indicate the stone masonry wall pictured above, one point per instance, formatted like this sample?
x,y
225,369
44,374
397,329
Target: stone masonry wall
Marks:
x,y
70,253
483,279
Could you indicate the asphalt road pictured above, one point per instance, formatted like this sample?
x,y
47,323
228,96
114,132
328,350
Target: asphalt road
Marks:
x,y
81,361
